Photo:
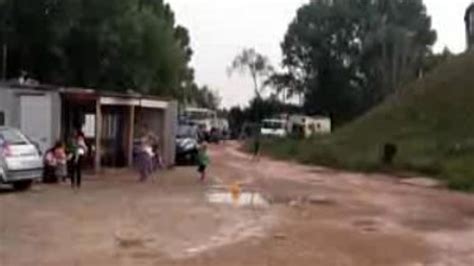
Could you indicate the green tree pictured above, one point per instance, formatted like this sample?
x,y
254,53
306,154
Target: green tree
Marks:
x,y
187,85
345,56
206,98
113,45
256,65
397,40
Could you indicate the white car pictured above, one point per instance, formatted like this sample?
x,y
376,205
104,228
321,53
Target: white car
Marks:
x,y
20,160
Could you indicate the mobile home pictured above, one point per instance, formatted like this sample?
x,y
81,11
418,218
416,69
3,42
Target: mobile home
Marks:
x,y
308,126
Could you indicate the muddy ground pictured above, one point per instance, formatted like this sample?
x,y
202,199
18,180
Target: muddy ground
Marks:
x,y
314,216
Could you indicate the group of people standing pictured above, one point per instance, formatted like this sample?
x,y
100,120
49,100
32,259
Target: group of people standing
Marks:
x,y
149,158
64,161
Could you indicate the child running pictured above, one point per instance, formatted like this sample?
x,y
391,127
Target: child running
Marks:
x,y
203,161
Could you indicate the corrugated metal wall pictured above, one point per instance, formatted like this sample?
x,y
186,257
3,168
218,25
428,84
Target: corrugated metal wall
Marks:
x,y
10,107
10,104
171,122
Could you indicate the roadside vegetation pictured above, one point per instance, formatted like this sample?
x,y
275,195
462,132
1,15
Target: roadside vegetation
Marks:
x,y
340,59
369,66
430,121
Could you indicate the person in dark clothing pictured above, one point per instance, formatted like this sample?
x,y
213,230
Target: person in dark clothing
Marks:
x,y
49,172
77,150
76,173
256,144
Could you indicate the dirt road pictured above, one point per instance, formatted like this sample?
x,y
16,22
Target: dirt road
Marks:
x,y
315,216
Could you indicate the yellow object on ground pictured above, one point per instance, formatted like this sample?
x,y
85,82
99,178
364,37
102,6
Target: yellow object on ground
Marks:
x,y
235,191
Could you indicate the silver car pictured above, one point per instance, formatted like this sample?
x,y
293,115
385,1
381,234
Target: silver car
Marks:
x,y
20,160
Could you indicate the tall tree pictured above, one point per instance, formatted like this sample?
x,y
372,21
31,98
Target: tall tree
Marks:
x,y
187,85
115,45
344,56
397,40
206,98
256,65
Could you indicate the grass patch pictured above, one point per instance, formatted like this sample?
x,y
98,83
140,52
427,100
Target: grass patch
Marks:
x,y
431,122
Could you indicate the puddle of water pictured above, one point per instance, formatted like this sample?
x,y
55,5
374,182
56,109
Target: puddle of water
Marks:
x,y
244,199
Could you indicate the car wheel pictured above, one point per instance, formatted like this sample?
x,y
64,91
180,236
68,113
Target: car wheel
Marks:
x,y
22,185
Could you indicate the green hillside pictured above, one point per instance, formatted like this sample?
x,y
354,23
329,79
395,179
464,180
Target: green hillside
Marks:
x,y
431,122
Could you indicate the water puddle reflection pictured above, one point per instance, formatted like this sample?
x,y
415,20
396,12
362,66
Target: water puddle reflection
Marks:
x,y
243,199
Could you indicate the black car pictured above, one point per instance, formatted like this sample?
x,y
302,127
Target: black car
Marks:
x,y
187,144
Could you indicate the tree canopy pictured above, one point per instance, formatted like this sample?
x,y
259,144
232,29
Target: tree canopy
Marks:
x,y
345,56
256,65
113,45
205,97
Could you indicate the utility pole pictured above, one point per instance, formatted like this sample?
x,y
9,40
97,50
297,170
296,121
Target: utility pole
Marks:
x,y
4,61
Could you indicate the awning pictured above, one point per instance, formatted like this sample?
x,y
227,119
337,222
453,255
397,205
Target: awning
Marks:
x,y
146,103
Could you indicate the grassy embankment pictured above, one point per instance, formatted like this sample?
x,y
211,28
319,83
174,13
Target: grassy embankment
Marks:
x,y
431,121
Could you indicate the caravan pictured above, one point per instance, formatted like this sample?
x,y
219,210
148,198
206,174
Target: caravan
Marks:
x,y
308,126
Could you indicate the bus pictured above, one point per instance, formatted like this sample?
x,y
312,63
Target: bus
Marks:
x,y
205,119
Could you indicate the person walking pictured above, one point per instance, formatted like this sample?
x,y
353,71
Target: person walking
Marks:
x,y
149,159
256,144
145,159
77,150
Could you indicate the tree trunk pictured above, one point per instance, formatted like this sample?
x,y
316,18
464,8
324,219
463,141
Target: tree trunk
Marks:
x,y
4,61
255,84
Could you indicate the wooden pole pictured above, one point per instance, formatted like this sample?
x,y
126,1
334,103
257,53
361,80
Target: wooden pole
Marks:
x,y
98,136
131,132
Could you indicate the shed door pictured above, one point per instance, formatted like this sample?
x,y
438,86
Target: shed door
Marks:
x,y
36,115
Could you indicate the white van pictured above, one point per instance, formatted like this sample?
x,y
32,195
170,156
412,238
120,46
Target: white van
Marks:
x,y
274,128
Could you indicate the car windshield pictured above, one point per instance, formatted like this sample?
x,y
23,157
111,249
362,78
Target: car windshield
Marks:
x,y
198,116
186,132
12,137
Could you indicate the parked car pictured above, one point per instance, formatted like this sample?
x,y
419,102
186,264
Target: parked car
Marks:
x,y
20,161
187,144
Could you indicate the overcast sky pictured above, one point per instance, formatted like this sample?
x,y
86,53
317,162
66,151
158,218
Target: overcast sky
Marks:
x,y
221,28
